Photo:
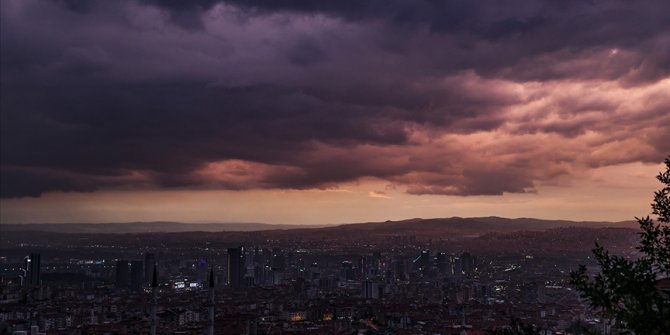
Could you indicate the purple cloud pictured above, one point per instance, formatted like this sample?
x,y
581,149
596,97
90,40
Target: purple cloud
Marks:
x,y
463,98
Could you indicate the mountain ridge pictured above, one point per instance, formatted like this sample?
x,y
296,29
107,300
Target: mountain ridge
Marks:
x,y
460,225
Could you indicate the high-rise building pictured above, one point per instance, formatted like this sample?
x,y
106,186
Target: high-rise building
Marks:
x,y
122,274
258,257
211,303
376,262
371,290
467,263
362,267
422,261
347,270
399,269
278,262
236,267
149,263
32,269
458,267
154,302
136,275
441,262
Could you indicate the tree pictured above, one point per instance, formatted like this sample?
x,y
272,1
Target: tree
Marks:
x,y
626,290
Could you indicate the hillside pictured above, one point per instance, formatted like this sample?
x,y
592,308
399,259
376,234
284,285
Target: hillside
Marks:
x,y
144,227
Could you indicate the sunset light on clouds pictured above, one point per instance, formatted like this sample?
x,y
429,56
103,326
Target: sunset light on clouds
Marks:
x,y
333,112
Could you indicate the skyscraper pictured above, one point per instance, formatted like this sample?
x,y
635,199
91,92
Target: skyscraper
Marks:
x,y
154,302
236,267
32,270
467,263
422,261
210,303
35,269
362,267
371,290
122,273
441,262
149,263
278,262
136,275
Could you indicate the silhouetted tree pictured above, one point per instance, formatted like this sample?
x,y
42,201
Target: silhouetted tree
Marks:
x,y
626,290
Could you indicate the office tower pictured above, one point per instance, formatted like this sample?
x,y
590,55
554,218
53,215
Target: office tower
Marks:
x,y
347,272
458,267
210,303
422,261
154,301
149,263
370,290
362,267
136,275
236,267
376,263
35,269
32,270
441,262
467,263
258,257
122,274
399,269
278,262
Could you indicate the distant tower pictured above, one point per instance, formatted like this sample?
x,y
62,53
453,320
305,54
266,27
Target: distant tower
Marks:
x,y
136,275
149,263
278,261
122,273
422,262
467,263
31,270
31,277
441,262
154,292
210,303
35,273
363,267
236,267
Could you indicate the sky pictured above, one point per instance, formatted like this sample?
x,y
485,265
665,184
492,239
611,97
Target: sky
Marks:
x,y
314,112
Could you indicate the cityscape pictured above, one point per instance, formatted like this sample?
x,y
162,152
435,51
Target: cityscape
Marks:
x,y
332,280
335,167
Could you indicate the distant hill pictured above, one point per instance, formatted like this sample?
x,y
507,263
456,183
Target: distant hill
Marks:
x,y
469,226
145,227
438,226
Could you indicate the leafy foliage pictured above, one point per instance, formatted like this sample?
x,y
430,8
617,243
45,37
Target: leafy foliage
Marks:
x,y
626,290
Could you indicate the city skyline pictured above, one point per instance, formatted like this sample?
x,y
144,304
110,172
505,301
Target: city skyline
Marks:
x,y
324,113
433,276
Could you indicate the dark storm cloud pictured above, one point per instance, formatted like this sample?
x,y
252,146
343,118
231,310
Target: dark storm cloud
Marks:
x,y
307,52
23,182
528,27
300,94
439,16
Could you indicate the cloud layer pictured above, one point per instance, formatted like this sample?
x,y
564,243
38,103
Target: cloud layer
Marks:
x,y
436,97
